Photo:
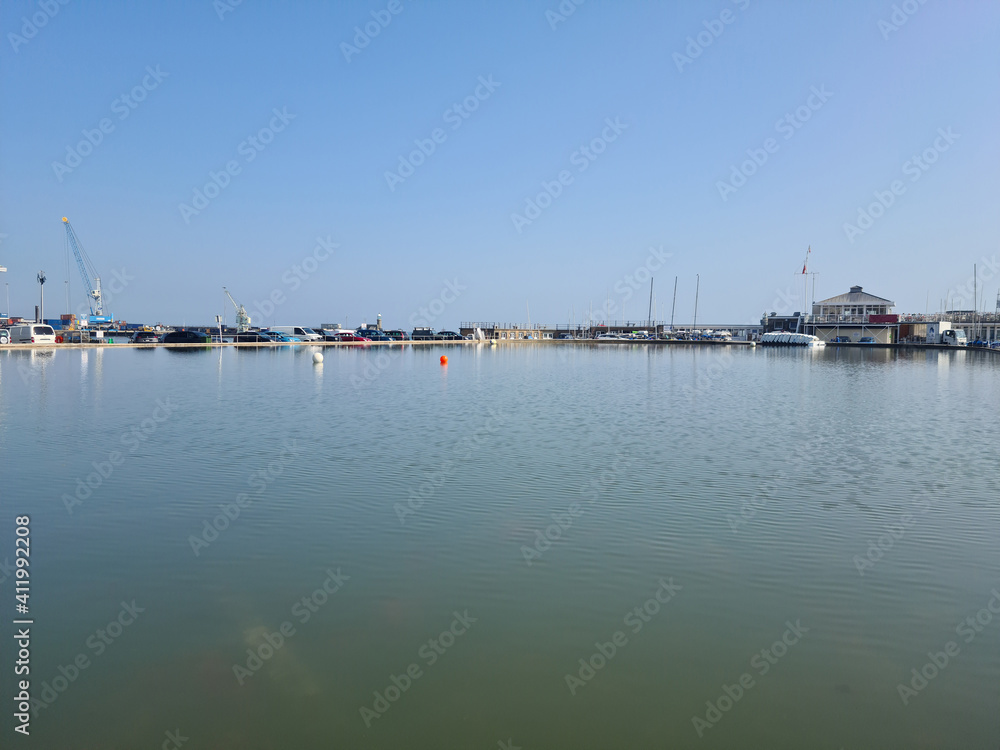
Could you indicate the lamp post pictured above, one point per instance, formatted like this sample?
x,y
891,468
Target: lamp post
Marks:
x,y
41,297
3,269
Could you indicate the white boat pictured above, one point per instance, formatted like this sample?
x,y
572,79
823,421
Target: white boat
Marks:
x,y
782,338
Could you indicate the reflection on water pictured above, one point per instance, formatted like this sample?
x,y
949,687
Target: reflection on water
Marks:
x,y
548,492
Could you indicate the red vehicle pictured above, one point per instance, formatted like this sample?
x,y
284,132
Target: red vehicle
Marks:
x,y
350,337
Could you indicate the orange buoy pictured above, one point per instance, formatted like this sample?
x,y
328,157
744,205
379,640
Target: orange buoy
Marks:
x,y
444,360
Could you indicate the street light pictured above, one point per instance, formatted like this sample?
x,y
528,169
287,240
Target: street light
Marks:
x,y
41,293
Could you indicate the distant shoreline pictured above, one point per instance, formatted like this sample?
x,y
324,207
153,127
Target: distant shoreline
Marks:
x,y
104,344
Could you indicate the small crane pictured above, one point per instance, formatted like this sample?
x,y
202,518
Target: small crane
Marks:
x,y
94,292
242,319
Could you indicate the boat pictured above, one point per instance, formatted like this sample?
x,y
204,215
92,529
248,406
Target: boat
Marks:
x,y
783,338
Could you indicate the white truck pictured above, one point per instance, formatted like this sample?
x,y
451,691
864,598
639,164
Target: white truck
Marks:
x,y
954,338
942,332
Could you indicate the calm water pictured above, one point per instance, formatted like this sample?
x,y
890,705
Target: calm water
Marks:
x,y
702,528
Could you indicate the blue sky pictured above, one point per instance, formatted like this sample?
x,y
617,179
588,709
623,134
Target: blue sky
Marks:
x,y
445,243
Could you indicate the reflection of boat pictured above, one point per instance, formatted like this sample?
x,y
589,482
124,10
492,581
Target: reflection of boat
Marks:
x,y
783,338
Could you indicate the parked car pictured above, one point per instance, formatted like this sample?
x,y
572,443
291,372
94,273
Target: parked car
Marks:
x,y
447,336
280,337
867,340
373,334
32,333
144,337
422,334
186,337
252,337
299,332
397,335
842,340
351,338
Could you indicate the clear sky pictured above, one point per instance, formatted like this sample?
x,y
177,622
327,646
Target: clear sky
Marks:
x,y
817,107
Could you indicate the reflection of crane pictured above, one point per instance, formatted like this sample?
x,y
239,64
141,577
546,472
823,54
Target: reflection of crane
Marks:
x,y
94,293
242,319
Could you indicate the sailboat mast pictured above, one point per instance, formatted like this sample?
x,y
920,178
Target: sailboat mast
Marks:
x,y
697,288
674,305
649,315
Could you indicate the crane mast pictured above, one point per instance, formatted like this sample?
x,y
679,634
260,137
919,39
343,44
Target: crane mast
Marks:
x,y
242,319
95,296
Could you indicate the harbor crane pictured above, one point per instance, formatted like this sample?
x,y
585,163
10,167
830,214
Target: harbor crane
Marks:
x,y
95,295
242,319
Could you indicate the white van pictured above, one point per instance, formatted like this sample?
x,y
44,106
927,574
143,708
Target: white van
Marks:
x,y
954,338
299,332
32,333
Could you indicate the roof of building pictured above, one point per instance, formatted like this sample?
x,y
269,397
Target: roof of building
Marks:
x,y
857,297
